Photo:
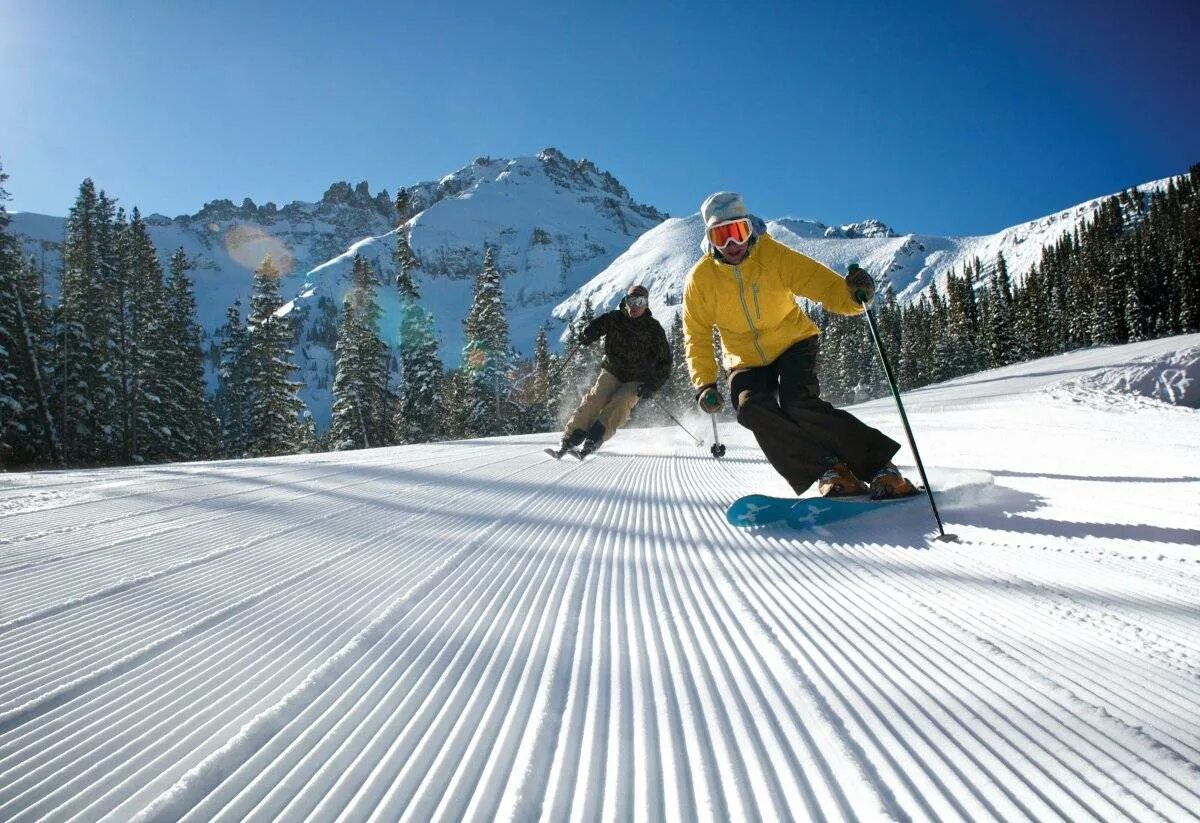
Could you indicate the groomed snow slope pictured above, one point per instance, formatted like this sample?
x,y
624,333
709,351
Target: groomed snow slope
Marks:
x,y
472,631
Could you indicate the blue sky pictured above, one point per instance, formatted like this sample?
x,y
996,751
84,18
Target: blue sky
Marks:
x,y
935,117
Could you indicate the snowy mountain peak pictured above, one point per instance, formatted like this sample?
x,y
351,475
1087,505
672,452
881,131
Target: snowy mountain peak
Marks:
x,y
867,228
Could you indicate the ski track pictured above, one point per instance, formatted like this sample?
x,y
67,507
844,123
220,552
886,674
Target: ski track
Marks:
x,y
473,631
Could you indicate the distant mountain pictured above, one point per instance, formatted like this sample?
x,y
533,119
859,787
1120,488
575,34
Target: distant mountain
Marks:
x,y
554,222
662,257
563,230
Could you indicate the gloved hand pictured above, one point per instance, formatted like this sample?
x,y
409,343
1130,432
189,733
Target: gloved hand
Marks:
x,y
860,283
584,340
646,390
709,399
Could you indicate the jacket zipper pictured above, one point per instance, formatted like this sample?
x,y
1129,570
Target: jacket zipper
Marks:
x,y
737,272
757,309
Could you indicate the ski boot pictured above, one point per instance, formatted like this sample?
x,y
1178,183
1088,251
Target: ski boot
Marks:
x,y
568,443
888,483
839,481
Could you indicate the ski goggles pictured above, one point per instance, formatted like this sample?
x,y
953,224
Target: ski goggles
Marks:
x,y
731,231
637,301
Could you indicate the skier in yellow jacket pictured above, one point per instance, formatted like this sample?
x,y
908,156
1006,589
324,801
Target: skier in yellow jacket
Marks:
x,y
746,285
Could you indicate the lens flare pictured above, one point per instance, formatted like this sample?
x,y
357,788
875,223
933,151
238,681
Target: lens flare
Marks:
x,y
248,245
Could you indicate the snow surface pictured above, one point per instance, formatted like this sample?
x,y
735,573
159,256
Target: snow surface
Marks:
x,y
469,630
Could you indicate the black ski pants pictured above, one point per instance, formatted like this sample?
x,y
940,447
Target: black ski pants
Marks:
x,y
801,434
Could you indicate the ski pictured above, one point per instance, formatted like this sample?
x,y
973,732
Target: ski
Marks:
x,y
804,512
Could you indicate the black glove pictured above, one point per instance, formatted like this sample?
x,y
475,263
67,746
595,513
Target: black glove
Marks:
x,y
709,399
646,390
860,283
584,340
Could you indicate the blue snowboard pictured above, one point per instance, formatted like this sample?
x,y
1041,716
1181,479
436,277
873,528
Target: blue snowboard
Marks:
x,y
805,512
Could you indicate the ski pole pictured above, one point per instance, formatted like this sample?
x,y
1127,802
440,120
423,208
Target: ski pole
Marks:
x,y
912,444
551,377
718,448
663,409
563,365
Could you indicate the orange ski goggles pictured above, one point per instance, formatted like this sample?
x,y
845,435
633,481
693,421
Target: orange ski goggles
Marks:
x,y
731,231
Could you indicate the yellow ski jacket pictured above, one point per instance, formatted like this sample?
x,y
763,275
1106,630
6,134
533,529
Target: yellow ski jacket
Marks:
x,y
753,305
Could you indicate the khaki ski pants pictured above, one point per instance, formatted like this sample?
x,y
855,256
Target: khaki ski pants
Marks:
x,y
609,402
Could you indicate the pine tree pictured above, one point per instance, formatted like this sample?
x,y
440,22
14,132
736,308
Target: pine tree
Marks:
x,y
939,356
275,408
486,353
362,405
143,346
87,379
189,413
234,389
404,262
580,372
916,345
999,332
403,204
533,395
677,394
419,411
26,431
457,402
959,350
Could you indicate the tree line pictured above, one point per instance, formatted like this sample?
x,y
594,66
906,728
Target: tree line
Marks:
x,y
1130,273
115,372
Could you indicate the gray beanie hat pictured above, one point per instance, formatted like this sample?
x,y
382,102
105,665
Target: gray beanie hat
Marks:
x,y
722,206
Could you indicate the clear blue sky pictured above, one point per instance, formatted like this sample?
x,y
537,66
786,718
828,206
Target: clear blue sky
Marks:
x,y
935,117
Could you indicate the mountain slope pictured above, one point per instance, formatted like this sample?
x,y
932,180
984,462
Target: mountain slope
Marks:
x,y
910,263
470,630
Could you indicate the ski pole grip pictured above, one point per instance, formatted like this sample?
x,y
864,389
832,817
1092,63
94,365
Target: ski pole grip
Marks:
x,y
855,277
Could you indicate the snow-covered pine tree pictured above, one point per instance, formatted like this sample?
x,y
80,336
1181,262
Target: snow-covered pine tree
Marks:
x,y
999,327
275,408
232,399
1030,316
486,354
582,370
916,349
189,412
144,347
27,434
403,204
419,411
85,383
937,360
457,405
677,394
1187,257
959,351
889,324
535,393
362,400
1139,289
404,261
